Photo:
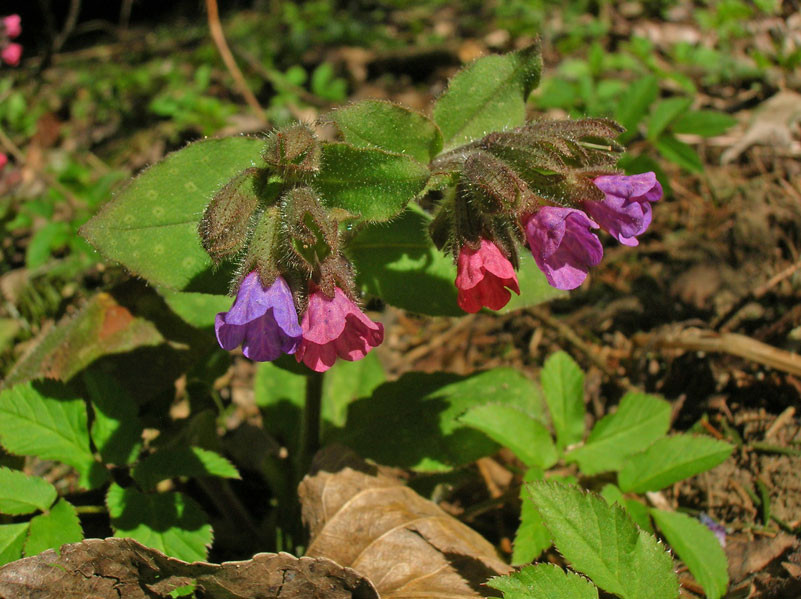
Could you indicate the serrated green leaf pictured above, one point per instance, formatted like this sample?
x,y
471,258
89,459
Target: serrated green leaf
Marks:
x,y
511,427
670,460
664,113
53,529
679,153
346,382
368,182
45,419
417,418
12,540
563,386
150,227
543,581
634,104
706,123
181,461
488,95
697,547
380,124
198,309
640,420
116,428
601,541
280,395
173,523
397,262
23,494
531,538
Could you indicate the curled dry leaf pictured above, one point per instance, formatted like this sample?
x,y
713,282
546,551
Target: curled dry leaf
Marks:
x,y
114,568
406,545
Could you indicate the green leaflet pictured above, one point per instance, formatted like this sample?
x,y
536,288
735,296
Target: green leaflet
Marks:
x,y
541,581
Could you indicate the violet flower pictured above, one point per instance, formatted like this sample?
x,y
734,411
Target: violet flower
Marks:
x,y
563,245
625,212
263,320
483,276
335,327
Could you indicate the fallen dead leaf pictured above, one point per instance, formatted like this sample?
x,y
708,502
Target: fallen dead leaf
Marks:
x,y
115,568
773,124
752,555
406,545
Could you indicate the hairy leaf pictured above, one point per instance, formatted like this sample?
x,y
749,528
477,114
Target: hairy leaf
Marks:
x,y
563,386
46,420
170,522
368,182
23,494
601,541
114,568
488,95
380,124
151,226
639,421
670,460
542,581
53,529
698,547
181,461
406,544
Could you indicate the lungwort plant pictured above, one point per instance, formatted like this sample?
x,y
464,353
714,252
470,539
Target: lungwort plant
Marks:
x,y
428,214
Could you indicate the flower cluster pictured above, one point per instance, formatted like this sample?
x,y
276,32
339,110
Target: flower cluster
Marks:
x,y
561,241
264,321
10,28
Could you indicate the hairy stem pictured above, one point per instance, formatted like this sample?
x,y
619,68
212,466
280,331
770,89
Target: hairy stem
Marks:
x,y
310,434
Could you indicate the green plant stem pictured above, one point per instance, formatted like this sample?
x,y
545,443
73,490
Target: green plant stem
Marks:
x,y
768,448
91,509
310,433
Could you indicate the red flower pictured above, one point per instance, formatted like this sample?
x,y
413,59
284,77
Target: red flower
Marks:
x,y
482,278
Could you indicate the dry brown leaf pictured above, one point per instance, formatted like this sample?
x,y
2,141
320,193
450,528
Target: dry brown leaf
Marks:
x,y
773,124
114,568
746,556
406,545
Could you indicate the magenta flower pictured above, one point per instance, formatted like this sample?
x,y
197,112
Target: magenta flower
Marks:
x,y
12,25
335,327
625,212
563,245
3,161
11,54
263,320
482,278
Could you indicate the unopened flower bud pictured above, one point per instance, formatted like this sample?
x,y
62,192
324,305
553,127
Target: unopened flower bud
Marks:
x,y
293,151
224,227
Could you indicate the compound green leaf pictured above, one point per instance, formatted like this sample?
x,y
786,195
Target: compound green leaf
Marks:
x,y
150,227
46,420
170,522
640,420
664,113
563,385
511,427
543,581
53,529
531,538
601,541
12,540
488,95
698,547
116,428
679,153
182,461
23,494
635,103
417,418
371,183
380,124
706,123
670,460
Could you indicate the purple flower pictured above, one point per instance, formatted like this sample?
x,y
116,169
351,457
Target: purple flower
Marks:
x,y
625,212
563,245
717,529
263,320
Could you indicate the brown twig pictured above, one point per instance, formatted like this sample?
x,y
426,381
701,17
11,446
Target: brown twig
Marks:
x,y
230,63
69,25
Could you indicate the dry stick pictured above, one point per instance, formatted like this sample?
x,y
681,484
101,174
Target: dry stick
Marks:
x,y
69,25
219,40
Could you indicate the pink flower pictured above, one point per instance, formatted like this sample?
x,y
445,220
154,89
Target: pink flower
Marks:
x,y
11,24
3,161
483,276
625,212
11,54
335,327
563,245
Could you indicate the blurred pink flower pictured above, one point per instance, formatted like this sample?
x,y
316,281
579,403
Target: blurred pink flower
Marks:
x,y
12,25
483,276
3,160
11,54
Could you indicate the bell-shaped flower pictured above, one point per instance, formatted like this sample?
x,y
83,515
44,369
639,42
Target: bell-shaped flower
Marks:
x,y
335,327
12,24
482,278
562,245
11,54
625,212
263,320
